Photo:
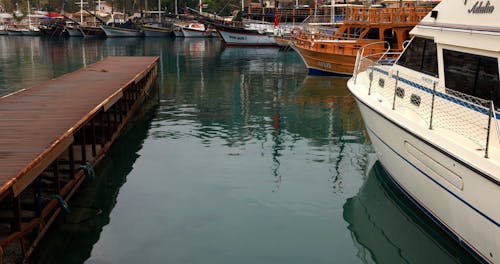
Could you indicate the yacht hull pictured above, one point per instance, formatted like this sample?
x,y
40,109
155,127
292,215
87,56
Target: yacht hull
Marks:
x,y
447,189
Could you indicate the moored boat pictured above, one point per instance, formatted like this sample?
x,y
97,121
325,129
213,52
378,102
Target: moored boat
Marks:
x,y
14,31
34,31
116,32
91,31
74,30
381,28
177,31
196,30
432,117
239,36
156,31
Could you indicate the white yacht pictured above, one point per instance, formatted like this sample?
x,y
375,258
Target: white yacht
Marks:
x,y
432,116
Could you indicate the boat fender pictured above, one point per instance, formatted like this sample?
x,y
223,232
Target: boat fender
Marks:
x,y
88,170
62,204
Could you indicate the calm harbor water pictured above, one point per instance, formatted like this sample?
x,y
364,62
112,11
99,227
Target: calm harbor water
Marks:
x,y
244,159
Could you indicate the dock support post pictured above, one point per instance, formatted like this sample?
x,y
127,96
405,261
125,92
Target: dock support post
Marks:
x,y
57,180
103,132
16,224
84,144
92,127
71,161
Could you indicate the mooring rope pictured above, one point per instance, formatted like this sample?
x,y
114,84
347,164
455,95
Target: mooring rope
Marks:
x,y
88,169
61,203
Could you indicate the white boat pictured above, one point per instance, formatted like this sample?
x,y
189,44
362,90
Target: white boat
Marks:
x,y
195,30
115,32
32,31
433,120
238,36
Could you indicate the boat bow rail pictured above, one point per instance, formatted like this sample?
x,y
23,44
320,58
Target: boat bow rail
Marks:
x,y
432,104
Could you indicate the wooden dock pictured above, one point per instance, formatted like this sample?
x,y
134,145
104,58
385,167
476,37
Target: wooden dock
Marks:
x,y
52,134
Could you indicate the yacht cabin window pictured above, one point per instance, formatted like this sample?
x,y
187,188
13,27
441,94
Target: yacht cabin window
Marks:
x,y
420,55
472,74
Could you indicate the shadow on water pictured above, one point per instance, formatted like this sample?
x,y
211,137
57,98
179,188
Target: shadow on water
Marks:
x,y
78,231
387,228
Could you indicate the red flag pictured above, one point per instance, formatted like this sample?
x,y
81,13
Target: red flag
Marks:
x,y
276,18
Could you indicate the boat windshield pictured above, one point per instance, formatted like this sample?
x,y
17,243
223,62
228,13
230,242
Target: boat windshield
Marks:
x,y
421,56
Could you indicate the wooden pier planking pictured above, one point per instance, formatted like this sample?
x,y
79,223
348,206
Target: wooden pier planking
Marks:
x,y
37,124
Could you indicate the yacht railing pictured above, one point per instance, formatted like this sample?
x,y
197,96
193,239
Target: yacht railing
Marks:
x,y
361,54
439,108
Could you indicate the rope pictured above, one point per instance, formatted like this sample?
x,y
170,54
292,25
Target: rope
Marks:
x,y
88,170
62,204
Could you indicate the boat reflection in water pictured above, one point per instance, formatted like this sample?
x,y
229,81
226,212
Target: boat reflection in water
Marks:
x,y
387,228
341,129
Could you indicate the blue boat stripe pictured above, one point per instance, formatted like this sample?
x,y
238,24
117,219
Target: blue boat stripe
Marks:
x,y
440,94
440,185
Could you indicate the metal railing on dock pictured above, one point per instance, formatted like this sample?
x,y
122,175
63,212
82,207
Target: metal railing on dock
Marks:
x,y
51,136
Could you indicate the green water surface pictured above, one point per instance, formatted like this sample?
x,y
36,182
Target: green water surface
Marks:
x,y
244,159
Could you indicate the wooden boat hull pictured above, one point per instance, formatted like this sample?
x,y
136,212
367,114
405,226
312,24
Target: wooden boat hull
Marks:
x,y
89,32
154,31
322,63
241,37
116,32
74,32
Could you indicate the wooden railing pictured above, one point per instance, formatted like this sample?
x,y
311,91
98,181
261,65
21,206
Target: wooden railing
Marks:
x,y
406,15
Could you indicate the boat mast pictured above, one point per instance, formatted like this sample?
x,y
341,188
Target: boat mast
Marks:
x,y
333,12
201,4
243,5
159,11
29,16
81,12
175,8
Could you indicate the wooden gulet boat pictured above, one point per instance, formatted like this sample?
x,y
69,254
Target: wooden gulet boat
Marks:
x,y
380,28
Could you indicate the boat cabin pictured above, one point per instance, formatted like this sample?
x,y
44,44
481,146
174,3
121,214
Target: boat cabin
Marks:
x,y
458,49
